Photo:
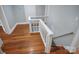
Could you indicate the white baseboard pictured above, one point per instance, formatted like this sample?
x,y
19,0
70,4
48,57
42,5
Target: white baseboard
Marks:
x,y
43,40
63,35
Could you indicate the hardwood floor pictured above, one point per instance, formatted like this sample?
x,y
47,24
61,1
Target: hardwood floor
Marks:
x,y
2,33
21,29
59,50
22,42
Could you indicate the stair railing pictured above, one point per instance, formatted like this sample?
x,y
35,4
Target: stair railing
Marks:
x,y
37,25
43,18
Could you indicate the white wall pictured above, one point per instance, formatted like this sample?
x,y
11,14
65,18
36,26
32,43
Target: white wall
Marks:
x,y
34,10
64,40
75,42
9,15
13,14
4,20
62,19
77,19
19,13
30,10
40,10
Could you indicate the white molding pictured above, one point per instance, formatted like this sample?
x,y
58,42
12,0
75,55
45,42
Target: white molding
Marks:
x,y
5,18
63,35
43,39
2,26
1,42
59,35
40,16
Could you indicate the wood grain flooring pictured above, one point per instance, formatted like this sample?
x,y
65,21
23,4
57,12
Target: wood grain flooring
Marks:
x,y
20,41
2,33
59,50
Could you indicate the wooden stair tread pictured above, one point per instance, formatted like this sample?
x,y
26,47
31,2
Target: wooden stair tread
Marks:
x,y
23,28
31,39
26,49
25,37
21,44
35,33
22,41
24,44
2,33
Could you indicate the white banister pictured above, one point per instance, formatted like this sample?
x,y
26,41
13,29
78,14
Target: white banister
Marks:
x,y
46,27
37,25
34,25
43,18
47,36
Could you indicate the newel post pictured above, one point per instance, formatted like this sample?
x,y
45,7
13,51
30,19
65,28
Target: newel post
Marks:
x,y
48,43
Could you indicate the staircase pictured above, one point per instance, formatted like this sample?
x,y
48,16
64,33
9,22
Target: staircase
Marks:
x,y
21,41
2,33
33,36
